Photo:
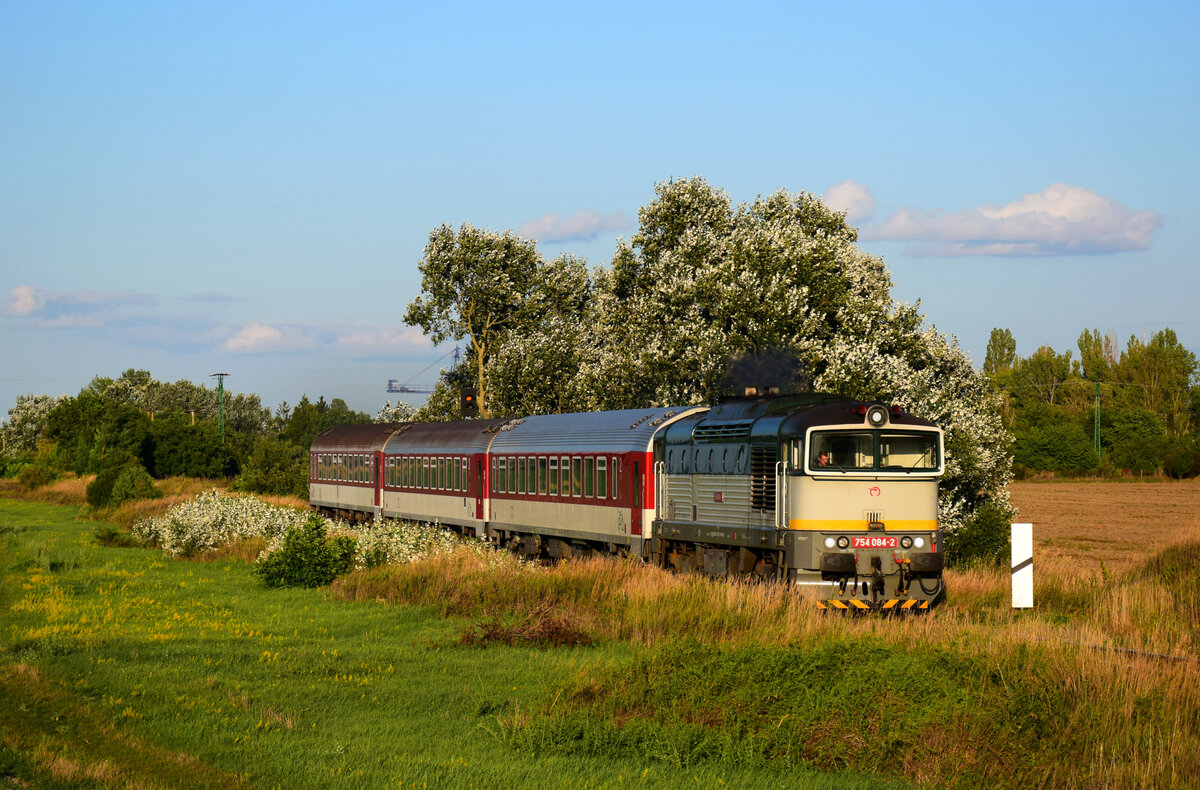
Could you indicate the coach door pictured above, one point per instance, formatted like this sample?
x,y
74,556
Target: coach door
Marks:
x,y
479,486
637,493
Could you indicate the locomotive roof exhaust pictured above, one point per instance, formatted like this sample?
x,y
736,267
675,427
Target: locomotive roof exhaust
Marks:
x,y
768,373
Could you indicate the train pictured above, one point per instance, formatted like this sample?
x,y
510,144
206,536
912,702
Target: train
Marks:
x,y
834,496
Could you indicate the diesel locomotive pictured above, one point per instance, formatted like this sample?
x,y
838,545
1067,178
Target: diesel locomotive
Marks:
x,y
836,497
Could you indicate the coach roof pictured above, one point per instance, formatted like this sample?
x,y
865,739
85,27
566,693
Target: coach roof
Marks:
x,y
462,437
630,430
367,437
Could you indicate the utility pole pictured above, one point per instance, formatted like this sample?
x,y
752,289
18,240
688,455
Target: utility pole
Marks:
x,y
220,377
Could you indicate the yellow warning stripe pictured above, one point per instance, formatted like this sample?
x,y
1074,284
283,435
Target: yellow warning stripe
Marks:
x,y
854,603
860,524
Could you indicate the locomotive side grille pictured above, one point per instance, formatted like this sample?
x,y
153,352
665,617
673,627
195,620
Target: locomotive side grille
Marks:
x,y
728,430
762,478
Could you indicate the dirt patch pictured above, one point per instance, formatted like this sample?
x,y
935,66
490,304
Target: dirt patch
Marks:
x,y
1114,524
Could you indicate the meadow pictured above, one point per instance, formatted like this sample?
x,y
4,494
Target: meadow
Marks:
x,y
124,668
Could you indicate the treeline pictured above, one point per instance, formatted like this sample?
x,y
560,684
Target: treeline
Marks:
x,y
1109,410
134,428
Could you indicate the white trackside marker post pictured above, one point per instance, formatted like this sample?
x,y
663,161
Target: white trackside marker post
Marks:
x,y
1022,566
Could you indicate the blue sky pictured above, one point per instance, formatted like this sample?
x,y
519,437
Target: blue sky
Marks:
x,y
247,188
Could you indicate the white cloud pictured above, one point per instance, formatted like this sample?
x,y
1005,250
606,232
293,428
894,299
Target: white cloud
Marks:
x,y
381,341
58,306
25,300
583,225
259,338
853,198
1059,220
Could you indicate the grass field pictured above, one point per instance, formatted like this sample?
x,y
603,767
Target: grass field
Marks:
x,y
124,669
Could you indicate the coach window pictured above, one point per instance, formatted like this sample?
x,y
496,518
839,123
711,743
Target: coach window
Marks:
x,y
501,475
616,468
601,478
521,475
576,477
589,477
564,469
512,475
541,475
553,488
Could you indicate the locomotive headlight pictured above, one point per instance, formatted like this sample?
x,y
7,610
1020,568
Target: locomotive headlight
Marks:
x,y
919,542
843,542
830,543
877,416
906,542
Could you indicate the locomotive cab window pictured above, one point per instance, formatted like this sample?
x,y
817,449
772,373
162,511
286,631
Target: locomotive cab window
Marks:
x,y
908,452
875,451
842,451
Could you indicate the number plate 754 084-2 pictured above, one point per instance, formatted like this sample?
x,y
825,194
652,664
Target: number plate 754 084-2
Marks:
x,y
874,542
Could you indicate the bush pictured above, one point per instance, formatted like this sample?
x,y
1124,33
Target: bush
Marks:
x,y
113,537
133,483
275,466
1182,462
116,485
306,558
36,475
984,539
1055,446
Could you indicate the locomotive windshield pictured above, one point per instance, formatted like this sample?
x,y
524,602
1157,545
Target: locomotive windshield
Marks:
x,y
873,451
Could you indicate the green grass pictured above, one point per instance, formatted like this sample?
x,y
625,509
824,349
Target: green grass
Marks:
x,y
119,668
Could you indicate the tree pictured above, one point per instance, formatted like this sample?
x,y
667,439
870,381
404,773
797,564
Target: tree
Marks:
x,y
704,282
535,370
1136,440
1042,374
243,413
1097,355
26,424
90,427
1001,354
307,419
474,283
1164,372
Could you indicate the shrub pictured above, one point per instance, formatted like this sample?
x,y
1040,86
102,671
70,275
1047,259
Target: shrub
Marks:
x,y
1182,462
213,519
275,466
306,558
36,475
113,537
983,539
133,483
119,484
